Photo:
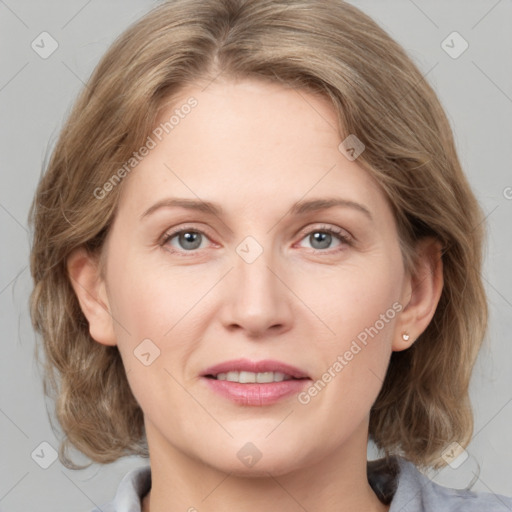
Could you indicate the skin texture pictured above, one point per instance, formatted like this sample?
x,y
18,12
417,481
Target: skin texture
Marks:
x,y
255,149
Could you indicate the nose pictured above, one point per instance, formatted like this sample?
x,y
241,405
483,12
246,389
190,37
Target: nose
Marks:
x,y
257,298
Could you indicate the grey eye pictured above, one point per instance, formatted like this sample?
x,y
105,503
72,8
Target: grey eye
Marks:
x,y
322,239
189,240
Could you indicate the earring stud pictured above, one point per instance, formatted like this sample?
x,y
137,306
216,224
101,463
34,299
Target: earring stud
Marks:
x,y
405,336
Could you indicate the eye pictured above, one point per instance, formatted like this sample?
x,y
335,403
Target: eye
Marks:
x,y
189,240
322,237
184,240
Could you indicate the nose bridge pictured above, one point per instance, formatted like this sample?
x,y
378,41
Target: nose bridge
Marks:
x,y
258,299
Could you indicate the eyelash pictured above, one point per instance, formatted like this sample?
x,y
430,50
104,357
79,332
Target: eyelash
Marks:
x,y
345,239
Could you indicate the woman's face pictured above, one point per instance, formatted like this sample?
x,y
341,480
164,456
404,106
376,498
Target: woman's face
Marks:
x,y
267,274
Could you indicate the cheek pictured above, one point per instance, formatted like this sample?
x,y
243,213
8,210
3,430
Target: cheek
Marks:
x,y
360,308
354,298
154,310
151,299
154,340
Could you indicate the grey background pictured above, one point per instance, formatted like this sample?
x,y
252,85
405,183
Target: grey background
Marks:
x,y
35,96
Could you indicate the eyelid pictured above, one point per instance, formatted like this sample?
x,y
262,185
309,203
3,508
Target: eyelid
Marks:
x,y
182,227
330,228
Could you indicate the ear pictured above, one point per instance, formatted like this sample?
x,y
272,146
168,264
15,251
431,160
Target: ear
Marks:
x,y
84,274
420,294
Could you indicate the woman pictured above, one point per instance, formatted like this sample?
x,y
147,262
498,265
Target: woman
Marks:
x,y
255,250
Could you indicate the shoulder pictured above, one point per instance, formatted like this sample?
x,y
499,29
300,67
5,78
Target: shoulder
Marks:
x,y
134,485
415,492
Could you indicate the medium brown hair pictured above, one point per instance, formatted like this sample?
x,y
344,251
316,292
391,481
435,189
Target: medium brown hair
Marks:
x,y
329,48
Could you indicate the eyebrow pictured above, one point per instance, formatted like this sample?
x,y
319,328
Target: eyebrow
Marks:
x,y
299,208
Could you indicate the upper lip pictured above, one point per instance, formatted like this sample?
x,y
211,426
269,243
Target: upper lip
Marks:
x,y
267,365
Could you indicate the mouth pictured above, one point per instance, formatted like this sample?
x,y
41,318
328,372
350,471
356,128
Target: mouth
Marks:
x,y
245,371
244,377
258,383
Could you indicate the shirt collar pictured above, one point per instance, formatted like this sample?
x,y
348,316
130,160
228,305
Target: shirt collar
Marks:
x,y
395,480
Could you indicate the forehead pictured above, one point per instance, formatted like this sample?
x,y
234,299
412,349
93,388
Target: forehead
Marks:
x,y
247,143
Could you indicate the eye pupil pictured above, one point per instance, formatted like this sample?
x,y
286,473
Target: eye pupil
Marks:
x,y
323,238
188,238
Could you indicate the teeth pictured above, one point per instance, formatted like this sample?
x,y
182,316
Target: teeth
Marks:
x,y
250,377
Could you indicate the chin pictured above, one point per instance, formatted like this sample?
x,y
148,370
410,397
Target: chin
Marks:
x,y
249,461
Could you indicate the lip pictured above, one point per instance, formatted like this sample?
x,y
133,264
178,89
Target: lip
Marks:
x,y
255,394
245,365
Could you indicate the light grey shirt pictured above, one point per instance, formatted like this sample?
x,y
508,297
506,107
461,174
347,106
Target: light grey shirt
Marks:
x,y
411,491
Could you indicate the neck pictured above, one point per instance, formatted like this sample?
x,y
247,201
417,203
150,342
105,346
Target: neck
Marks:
x,y
337,483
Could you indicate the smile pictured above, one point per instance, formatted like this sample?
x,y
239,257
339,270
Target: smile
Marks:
x,y
255,383
245,377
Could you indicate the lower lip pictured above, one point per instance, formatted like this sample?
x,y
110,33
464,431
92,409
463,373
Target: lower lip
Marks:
x,y
256,394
